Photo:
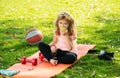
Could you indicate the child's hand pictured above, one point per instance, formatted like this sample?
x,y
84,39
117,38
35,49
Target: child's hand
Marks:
x,y
53,49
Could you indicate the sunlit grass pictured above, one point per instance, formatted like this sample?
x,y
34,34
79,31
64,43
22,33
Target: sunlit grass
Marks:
x,y
97,21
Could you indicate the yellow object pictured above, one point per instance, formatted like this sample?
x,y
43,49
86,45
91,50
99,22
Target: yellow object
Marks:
x,y
63,29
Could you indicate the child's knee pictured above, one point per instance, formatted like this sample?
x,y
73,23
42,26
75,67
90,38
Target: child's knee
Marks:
x,y
71,58
73,55
40,44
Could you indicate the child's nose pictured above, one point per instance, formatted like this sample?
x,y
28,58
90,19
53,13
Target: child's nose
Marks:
x,y
63,24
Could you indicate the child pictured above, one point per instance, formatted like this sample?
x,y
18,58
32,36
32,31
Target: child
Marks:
x,y
63,48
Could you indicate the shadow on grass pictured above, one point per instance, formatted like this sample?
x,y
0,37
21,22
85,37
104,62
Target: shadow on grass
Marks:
x,y
13,43
101,67
16,52
13,33
110,31
90,66
108,38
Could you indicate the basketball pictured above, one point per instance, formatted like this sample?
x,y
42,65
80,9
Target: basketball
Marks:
x,y
34,36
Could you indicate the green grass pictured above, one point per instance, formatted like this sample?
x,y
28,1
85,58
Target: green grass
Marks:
x,y
97,21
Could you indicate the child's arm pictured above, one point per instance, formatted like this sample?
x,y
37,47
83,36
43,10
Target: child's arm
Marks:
x,y
54,41
74,43
52,44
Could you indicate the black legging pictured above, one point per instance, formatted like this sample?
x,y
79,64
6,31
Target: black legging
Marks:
x,y
64,57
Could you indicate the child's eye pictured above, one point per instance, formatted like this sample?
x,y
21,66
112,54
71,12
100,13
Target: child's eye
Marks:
x,y
60,22
66,23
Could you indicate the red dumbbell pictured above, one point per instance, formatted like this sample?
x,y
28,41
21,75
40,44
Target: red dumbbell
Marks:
x,y
41,56
24,60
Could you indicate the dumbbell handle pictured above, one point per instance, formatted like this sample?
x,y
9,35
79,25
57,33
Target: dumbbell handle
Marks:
x,y
29,60
33,61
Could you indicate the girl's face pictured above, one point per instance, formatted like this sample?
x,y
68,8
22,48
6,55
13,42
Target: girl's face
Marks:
x,y
63,23
63,26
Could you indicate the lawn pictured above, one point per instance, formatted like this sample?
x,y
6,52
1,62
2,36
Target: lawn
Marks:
x,y
97,21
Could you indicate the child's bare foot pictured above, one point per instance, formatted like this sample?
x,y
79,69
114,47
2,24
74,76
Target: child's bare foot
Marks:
x,y
53,62
45,59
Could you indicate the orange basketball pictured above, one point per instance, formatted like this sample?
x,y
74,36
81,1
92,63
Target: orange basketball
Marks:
x,y
34,36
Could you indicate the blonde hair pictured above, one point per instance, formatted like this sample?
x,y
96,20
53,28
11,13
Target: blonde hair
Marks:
x,y
69,19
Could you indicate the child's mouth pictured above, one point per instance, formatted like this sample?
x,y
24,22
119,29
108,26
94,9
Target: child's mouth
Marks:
x,y
63,29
